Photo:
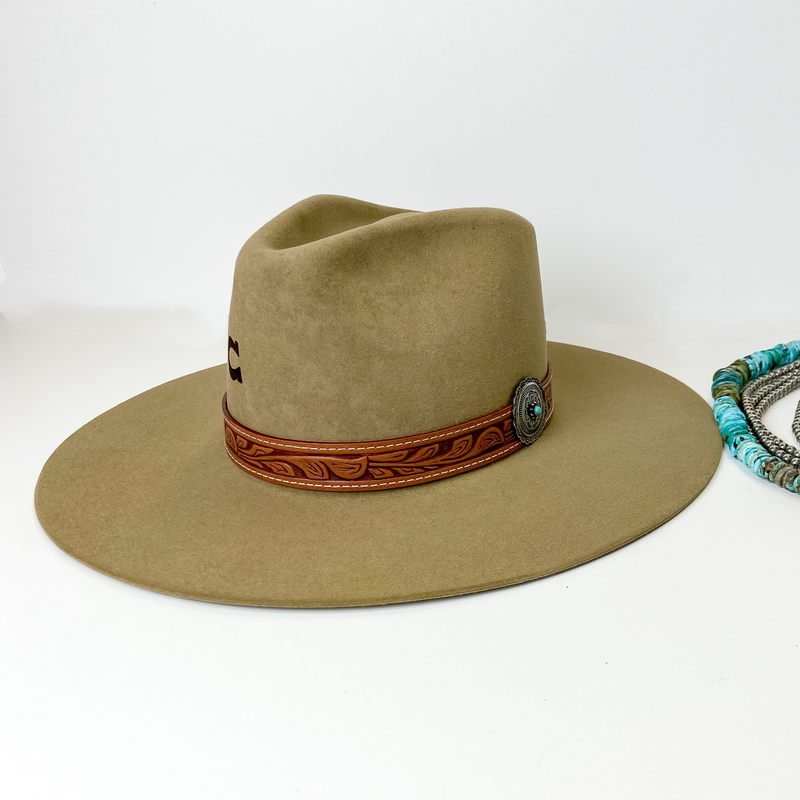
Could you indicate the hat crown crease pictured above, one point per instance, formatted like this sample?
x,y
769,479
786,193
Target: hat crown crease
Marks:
x,y
355,321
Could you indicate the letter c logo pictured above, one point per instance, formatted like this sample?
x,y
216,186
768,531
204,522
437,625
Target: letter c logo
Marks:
x,y
235,372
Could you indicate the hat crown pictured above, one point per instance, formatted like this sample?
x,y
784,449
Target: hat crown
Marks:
x,y
355,322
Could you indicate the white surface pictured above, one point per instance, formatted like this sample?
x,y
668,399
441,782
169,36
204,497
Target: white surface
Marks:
x,y
654,148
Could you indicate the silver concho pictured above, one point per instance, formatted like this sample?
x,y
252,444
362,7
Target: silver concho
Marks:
x,y
528,410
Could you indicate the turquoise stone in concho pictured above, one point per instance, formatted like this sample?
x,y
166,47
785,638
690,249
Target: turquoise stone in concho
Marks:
x,y
726,389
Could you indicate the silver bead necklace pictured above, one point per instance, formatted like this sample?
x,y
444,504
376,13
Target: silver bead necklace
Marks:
x,y
759,395
796,423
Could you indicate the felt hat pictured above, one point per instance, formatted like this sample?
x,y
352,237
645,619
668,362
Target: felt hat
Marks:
x,y
358,329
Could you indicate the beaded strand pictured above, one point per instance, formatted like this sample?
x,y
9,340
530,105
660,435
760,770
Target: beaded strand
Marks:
x,y
759,395
742,392
796,423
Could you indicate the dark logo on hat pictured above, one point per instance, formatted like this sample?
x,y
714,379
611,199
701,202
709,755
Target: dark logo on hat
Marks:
x,y
235,372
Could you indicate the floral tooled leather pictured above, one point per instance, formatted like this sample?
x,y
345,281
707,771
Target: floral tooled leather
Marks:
x,y
369,466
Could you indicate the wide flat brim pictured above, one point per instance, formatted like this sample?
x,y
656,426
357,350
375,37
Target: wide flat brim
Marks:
x,y
146,493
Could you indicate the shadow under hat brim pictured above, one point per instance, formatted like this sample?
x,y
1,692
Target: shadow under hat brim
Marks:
x,y
146,493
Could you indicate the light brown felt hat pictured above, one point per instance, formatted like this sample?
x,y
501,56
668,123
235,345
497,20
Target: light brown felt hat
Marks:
x,y
350,323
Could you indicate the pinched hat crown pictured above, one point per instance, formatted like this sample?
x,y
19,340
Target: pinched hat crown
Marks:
x,y
352,321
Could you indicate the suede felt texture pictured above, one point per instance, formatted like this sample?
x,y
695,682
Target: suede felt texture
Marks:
x,y
357,322
146,493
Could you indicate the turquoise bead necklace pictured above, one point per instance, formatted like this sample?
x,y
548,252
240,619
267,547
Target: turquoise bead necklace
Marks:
x,y
742,393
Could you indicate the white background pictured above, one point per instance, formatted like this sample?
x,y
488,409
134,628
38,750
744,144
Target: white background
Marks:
x,y
654,147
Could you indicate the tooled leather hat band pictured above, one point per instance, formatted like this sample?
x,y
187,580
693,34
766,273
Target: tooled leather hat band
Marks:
x,y
394,463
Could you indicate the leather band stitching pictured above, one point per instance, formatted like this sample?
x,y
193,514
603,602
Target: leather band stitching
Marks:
x,y
349,487
323,445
